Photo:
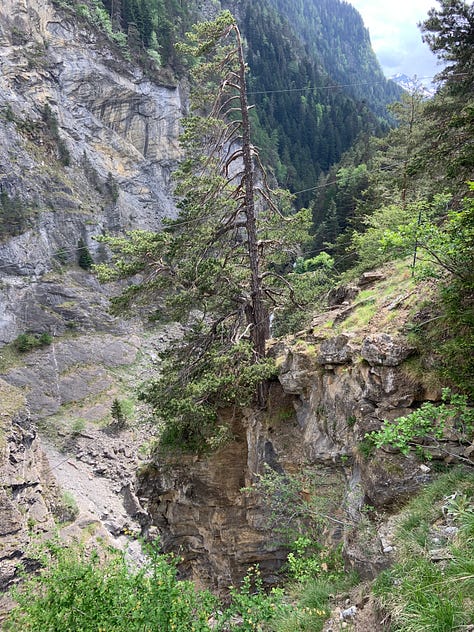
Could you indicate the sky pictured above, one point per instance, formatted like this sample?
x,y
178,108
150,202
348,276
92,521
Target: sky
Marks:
x,y
395,37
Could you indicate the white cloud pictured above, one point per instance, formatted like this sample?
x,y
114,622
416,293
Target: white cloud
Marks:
x,y
395,36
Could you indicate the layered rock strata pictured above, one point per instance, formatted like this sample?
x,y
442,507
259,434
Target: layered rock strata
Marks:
x,y
29,495
87,146
331,394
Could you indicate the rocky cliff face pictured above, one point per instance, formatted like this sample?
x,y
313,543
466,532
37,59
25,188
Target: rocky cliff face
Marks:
x,y
332,390
28,494
87,145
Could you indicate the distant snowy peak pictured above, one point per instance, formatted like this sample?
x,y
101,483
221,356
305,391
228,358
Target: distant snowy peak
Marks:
x,y
412,84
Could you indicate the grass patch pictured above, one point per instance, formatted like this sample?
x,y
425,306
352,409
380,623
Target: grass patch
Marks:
x,y
311,602
361,316
66,509
430,587
9,358
385,304
12,399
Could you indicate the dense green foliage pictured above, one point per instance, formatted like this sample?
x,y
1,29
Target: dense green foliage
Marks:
x,y
78,590
426,427
188,395
28,341
449,31
429,153
334,33
445,248
154,25
302,126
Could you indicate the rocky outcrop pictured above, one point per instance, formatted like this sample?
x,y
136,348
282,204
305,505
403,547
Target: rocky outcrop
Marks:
x,y
352,392
200,511
331,394
28,494
71,371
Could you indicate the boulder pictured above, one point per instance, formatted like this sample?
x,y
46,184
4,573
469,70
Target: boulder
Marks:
x,y
383,349
338,350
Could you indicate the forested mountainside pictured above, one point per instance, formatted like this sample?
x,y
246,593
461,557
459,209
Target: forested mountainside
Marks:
x,y
313,75
335,35
305,120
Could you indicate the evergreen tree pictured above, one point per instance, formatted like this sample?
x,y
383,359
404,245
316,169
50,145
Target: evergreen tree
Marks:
x,y
449,31
218,262
118,413
395,170
84,257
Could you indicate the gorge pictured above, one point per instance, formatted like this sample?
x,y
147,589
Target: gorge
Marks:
x,y
89,143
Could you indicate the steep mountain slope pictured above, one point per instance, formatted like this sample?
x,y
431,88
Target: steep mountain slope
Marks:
x,y
334,33
315,82
311,100
87,145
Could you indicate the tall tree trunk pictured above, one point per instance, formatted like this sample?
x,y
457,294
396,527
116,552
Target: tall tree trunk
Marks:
x,y
257,316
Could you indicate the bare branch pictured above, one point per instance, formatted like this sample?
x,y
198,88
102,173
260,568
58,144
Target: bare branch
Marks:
x,y
285,282
228,228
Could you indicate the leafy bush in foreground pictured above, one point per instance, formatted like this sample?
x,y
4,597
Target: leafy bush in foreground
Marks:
x,y
80,592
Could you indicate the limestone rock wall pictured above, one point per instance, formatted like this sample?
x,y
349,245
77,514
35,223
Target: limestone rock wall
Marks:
x,y
87,145
28,491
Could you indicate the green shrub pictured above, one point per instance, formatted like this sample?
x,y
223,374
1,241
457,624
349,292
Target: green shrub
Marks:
x,y
84,257
78,426
366,446
428,423
190,391
118,413
80,592
28,341
301,562
251,605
